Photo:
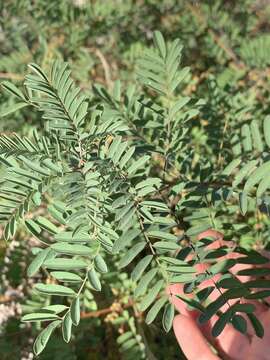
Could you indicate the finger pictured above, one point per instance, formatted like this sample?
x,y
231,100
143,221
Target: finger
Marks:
x,y
191,340
230,342
218,237
178,289
181,306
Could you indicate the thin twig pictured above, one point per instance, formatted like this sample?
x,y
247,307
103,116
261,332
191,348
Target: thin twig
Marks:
x,y
103,312
11,76
106,67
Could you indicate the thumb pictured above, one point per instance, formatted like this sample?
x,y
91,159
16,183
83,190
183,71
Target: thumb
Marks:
x,y
191,340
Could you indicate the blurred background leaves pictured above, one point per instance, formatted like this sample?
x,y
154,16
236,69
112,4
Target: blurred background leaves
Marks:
x,y
226,44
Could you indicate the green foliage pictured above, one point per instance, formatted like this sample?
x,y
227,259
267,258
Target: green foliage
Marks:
x,y
117,152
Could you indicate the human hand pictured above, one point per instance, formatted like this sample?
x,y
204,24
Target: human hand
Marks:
x,y
196,340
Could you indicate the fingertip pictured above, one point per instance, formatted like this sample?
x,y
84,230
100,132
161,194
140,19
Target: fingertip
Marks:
x,y
188,334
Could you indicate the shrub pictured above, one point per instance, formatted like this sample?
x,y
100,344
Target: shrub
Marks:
x,y
113,177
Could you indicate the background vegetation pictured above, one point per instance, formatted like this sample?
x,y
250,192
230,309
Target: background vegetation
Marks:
x,y
227,46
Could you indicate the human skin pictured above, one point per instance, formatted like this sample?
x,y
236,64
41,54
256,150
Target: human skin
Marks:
x,y
196,340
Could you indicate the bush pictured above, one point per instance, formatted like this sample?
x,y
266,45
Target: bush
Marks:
x,y
114,190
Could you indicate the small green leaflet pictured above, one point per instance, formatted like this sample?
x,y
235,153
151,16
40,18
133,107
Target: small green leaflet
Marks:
x,y
131,254
179,105
66,276
37,262
257,325
148,183
52,166
64,264
144,282
56,214
245,171
225,318
220,324
12,89
44,336
36,198
151,296
214,306
259,295
35,166
114,146
46,224
253,258
162,235
12,108
239,323
129,345
263,186
160,43
168,317
153,312
127,156
34,228
140,267
94,279
68,249
259,173
56,309
37,69
127,220
159,206
192,303
243,201
221,266
66,327
138,164
46,316
256,135
124,337
246,137
100,264
266,130
68,236
183,278
258,283
49,289
231,167
254,272
173,261
181,269
26,174
117,90
75,311
166,245
236,144
124,211
245,308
